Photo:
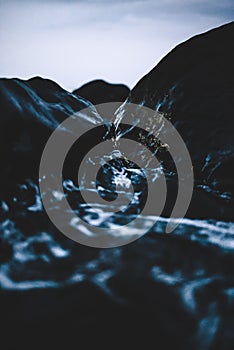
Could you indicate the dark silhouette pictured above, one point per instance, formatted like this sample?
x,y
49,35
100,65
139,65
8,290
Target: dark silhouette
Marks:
x,y
99,91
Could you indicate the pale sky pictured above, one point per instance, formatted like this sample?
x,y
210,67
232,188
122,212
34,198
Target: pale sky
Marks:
x,y
73,42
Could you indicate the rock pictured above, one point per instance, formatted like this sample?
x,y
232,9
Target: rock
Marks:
x,y
99,91
194,87
30,111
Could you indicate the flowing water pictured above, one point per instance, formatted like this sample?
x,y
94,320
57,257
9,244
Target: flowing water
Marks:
x,y
194,264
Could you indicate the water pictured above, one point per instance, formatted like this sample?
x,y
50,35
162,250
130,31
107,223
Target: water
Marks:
x,y
188,273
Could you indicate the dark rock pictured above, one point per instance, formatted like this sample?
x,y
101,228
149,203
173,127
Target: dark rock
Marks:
x,y
99,91
30,111
194,87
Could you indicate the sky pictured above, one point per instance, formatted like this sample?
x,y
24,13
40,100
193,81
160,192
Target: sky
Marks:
x,y
76,41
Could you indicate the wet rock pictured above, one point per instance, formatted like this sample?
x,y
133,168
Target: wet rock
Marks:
x,y
194,87
30,112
